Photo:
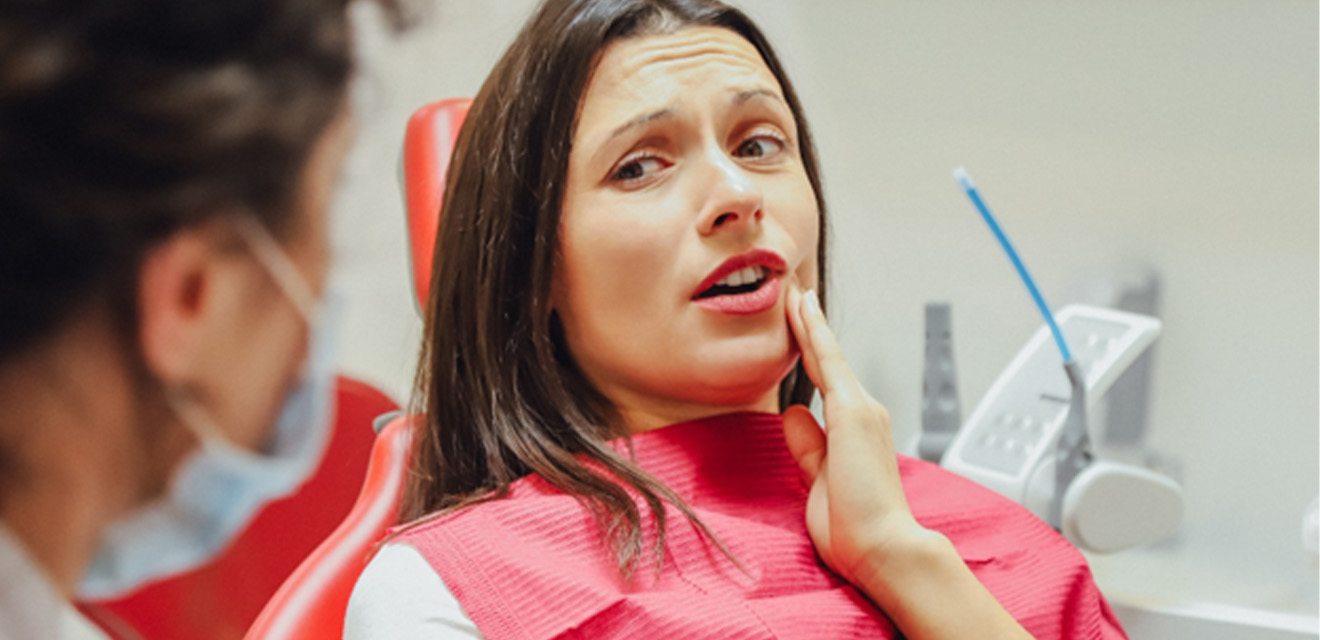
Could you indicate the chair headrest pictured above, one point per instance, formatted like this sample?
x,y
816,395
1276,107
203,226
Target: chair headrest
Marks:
x,y
427,147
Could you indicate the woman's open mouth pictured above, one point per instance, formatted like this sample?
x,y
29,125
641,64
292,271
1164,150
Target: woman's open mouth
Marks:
x,y
743,285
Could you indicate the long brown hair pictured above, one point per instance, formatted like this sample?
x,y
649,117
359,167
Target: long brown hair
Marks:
x,y
499,391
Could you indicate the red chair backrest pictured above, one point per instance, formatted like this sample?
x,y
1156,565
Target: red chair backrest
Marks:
x,y
221,599
427,148
311,603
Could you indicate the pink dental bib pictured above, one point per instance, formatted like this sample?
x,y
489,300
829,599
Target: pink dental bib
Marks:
x,y
532,565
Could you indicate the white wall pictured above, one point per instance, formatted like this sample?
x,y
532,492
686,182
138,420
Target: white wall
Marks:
x,y
1176,135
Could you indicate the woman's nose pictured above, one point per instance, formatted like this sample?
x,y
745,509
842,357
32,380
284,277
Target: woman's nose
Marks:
x,y
735,199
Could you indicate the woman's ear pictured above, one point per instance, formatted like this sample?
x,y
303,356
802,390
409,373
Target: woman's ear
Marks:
x,y
188,291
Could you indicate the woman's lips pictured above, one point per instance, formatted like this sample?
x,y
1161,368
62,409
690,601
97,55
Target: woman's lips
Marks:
x,y
745,304
771,261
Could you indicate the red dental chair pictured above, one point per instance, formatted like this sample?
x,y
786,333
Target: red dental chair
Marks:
x,y
427,147
311,603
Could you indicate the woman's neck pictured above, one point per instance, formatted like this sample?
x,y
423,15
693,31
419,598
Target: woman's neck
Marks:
x,y
642,414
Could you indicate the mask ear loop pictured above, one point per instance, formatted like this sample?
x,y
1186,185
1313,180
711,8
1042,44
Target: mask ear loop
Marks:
x,y
290,281
277,262
194,418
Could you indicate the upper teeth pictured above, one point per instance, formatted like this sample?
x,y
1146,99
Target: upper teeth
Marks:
x,y
745,275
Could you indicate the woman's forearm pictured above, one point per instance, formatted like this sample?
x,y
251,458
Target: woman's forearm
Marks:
x,y
928,591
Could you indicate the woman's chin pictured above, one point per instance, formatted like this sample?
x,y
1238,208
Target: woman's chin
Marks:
x,y
742,378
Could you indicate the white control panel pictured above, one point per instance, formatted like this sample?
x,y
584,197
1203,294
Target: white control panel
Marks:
x,y
1016,426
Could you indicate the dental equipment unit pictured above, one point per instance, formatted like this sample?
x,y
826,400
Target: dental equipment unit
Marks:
x,y
1028,438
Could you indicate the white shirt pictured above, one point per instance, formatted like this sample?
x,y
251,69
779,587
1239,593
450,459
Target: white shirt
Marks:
x,y
400,597
31,608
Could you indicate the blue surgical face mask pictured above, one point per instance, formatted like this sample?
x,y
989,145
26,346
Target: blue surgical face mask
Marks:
x,y
220,486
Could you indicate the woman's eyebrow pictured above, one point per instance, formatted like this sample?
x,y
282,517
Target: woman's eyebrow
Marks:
x,y
646,118
665,113
761,92
668,112
642,120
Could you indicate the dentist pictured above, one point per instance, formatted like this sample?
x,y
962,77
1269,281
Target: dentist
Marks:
x,y
166,170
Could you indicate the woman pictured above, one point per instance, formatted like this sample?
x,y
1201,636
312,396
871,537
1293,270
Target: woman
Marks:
x,y
165,173
625,299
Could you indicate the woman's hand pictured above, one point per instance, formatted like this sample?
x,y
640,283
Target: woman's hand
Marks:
x,y
856,511
857,514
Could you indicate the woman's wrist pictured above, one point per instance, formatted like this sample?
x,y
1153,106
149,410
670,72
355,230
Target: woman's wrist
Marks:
x,y
907,554
917,577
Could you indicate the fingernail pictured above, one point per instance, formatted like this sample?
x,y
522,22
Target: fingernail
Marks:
x,y
813,303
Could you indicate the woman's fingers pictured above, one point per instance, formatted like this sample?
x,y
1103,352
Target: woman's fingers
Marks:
x,y
845,399
797,325
834,376
806,441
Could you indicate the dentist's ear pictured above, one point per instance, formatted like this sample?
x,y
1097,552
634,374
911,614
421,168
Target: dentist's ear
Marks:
x,y
187,292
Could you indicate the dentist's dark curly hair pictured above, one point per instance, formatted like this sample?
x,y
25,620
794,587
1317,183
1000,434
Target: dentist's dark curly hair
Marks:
x,y
124,121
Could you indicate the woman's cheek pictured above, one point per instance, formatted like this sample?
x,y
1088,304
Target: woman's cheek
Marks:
x,y
622,268
792,202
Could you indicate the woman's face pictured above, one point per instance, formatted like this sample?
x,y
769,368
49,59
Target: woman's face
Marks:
x,y
686,213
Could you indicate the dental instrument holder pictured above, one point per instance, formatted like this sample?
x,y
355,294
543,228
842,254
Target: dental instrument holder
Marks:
x,y
1046,463
1030,421
941,415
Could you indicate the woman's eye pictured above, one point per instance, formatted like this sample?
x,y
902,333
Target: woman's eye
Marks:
x,y
637,168
761,146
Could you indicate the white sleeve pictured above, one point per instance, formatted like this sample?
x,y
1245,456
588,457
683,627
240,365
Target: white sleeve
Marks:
x,y
400,597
